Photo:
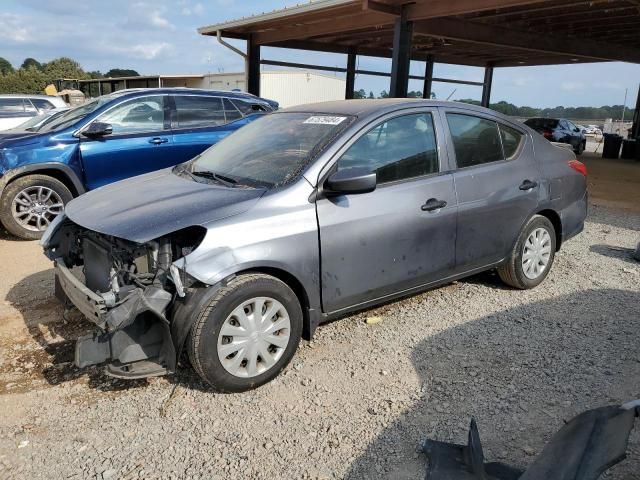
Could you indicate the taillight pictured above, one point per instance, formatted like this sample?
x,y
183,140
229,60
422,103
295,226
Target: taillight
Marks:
x,y
547,134
578,167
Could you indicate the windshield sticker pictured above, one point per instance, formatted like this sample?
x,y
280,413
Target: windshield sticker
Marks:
x,y
325,120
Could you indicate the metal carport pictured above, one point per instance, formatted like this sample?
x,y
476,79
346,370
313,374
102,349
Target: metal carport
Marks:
x,y
485,33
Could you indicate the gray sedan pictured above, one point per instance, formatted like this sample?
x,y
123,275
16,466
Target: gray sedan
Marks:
x,y
303,216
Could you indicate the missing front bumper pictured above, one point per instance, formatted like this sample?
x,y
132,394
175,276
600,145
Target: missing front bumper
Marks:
x,y
133,336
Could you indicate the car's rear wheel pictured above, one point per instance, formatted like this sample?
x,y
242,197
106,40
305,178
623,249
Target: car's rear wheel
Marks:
x,y
29,204
532,256
247,334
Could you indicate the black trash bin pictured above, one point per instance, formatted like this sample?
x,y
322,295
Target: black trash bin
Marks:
x,y
629,149
612,144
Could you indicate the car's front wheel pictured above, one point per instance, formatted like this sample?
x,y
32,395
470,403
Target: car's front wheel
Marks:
x,y
532,256
247,334
29,204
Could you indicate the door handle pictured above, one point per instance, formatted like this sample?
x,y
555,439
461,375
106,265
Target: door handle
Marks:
x,y
433,204
528,185
158,140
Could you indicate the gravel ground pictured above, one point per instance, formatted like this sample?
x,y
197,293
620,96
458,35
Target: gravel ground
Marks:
x,y
357,401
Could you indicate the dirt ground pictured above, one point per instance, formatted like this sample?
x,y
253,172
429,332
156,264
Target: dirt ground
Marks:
x,y
358,400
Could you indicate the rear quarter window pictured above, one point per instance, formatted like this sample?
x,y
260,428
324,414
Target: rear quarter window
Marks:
x,y
42,104
511,141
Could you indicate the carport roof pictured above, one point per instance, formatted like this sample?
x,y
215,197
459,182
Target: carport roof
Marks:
x,y
465,32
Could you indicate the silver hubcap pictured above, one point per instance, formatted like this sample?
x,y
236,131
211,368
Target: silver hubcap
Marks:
x,y
35,207
254,337
536,253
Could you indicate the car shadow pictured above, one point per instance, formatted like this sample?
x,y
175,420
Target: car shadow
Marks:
x,y
5,235
520,372
620,253
56,330
488,278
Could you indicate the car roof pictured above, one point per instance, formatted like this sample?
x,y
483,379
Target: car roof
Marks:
x,y
26,95
173,90
366,107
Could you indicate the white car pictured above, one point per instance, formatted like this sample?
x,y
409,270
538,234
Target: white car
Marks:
x,y
17,109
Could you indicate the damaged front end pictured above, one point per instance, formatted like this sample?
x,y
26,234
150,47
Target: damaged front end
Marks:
x,y
128,290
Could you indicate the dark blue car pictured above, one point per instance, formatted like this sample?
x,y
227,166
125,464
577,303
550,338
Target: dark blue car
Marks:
x,y
110,138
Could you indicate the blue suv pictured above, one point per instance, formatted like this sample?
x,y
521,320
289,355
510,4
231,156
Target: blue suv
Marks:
x,y
116,136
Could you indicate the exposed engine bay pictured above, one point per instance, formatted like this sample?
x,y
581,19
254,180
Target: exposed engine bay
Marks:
x,y
128,290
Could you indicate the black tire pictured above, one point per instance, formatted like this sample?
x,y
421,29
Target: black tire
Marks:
x,y
512,272
18,185
203,340
580,149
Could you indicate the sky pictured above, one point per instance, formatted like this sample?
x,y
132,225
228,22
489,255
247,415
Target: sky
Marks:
x,y
159,36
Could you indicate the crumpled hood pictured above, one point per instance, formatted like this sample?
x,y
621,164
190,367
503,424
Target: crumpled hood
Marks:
x,y
149,206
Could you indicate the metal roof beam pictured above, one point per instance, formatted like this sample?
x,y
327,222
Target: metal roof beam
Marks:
x,y
484,34
445,8
326,27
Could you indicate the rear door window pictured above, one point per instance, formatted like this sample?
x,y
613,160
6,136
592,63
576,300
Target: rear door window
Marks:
x,y
397,149
199,111
476,140
42,104
511,141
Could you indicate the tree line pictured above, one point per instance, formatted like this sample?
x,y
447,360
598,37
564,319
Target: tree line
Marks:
x,y
506,108
32,76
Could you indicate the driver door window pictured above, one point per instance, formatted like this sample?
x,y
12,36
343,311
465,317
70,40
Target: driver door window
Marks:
x,y
144,114
397,149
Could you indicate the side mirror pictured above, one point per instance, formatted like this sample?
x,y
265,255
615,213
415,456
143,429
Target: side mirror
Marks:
x,y
98,129
351,180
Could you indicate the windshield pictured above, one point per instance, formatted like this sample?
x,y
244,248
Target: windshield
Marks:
x,y
32,122
271,150
74,115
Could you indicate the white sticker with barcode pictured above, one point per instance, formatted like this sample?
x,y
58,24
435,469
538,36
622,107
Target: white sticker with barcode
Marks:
x,y
325,120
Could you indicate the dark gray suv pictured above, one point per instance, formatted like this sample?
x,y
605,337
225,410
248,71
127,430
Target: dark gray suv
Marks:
x,y
300,217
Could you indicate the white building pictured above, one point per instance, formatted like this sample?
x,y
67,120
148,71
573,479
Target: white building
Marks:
x,y
287,87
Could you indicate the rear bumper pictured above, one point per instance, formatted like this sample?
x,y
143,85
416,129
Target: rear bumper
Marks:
x,y
573,217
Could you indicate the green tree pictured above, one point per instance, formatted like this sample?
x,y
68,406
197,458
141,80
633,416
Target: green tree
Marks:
x,y
384,94
63,67
371,95
121,72
31,63
23,80
5,66
360,94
